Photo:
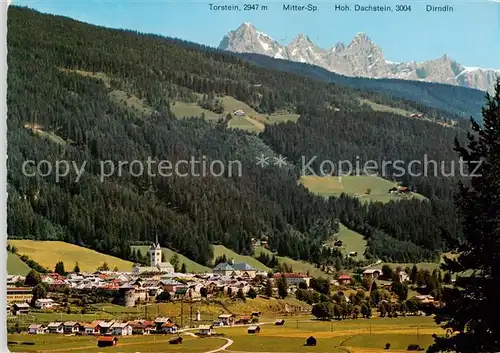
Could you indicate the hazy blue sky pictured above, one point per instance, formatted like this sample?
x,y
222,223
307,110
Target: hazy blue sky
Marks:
x,y
470,35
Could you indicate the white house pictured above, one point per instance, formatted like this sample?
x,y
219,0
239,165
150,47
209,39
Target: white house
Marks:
x,y
205,330
293,279
36,329
121,329
71,327
169,327
55,327
44,303
403,276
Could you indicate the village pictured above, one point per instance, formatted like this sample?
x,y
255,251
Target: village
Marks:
x,y
157,283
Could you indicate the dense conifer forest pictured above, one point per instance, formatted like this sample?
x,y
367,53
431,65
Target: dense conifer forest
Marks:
x,y
62,77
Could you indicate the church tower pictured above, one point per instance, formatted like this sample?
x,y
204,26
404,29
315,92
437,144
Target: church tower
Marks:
x,y
155,253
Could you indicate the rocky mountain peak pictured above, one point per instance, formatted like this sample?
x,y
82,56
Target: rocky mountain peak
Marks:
x,y
361,57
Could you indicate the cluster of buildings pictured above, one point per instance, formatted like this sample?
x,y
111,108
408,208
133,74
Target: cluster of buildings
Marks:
x,y
145,283
160,325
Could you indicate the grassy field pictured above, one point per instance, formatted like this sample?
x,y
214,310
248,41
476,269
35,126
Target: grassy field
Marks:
x,y
48,253
297,266
182,110
120,97
283,118
348,336
339,336
252,122
384,108
247,124
49,135
220,250
191,266
126,344
15,266
354,186
352,241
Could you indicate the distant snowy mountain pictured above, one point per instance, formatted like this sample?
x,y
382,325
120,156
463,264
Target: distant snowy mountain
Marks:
x,y
361,58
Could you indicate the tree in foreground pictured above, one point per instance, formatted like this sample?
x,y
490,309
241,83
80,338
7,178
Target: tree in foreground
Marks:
x,y
471,307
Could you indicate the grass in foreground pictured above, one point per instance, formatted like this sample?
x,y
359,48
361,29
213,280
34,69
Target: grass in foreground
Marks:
x,y
48,253
126,344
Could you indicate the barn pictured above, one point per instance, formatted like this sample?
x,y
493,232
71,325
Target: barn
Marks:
x,y
311,341
176,340
107,341
253,329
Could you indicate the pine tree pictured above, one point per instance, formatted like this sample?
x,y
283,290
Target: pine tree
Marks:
x,y
174,261
60,268
282,287
269,288
471,306
183,268
77,268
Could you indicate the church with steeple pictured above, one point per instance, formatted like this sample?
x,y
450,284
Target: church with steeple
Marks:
x,y
155,263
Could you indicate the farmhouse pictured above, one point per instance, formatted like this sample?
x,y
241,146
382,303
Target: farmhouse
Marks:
x,y
205,330
344,279
159,321
239,112
141,327
121,329
44,303
371,273
293,279
226,319
20,308
253,329
55,327
71,327
36,329
169,327
93,328
106,341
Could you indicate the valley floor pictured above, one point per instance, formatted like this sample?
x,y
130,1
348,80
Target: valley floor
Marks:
x,y
348,336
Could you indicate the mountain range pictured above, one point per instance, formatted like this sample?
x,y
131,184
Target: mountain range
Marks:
x,y
360,58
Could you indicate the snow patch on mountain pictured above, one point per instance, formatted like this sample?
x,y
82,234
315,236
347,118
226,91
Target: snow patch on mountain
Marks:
x,y
361,57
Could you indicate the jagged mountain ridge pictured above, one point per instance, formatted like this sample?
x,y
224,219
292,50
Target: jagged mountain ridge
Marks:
x,y
362,57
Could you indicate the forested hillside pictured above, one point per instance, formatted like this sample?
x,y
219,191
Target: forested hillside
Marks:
x,y
64,79
460,101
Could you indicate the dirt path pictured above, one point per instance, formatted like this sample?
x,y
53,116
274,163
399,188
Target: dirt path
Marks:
x,y
223,348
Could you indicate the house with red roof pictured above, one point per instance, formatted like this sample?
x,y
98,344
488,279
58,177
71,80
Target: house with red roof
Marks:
x,y
344,279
